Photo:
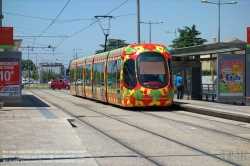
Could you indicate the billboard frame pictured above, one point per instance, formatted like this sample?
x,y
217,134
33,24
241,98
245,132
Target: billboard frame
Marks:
x,y
13,55
235,97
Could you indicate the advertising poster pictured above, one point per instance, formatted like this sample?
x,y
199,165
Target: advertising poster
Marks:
x,y
231,78
6,37
9,77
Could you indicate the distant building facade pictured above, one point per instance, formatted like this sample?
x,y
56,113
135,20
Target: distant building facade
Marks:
x,y
57,68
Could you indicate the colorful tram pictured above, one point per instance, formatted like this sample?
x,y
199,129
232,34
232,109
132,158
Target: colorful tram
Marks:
x,y
138,75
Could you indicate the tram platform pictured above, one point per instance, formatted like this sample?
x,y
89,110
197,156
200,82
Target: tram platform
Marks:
x,y
234,111
35,129
35,133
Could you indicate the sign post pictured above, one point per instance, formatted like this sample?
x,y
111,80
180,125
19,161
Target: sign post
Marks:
x,y
248,68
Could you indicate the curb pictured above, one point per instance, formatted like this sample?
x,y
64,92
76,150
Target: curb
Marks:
x,y
214,113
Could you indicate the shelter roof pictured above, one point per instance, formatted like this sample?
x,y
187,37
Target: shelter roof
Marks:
x,y
206,49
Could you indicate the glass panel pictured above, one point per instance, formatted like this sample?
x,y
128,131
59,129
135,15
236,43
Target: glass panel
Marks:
x,y
88,73
129,78
118,73
152,69
79,75
171,72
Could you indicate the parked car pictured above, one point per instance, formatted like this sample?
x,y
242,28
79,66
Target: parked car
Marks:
x,y
109,82
79,81
24,81
59,84
50,81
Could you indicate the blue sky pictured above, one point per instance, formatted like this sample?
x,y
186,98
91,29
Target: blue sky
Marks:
x,y
75,21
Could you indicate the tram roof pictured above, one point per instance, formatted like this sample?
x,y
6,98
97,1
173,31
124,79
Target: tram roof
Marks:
x,y
206,49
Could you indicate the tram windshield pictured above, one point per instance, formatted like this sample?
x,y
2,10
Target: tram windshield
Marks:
x,y
152,70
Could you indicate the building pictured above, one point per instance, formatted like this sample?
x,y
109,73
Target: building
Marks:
x,y
56,68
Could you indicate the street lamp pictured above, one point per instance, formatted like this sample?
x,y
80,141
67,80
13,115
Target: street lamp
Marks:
x,y
175,36
159,22
74,52
219,3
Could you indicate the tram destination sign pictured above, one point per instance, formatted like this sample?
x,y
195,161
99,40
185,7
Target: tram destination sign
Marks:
x,y
9,77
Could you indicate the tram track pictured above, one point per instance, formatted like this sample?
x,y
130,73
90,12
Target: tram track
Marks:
x,y
196,126
140,128
212,120
190,124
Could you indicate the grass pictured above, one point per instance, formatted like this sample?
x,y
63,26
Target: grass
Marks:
x,y
37,86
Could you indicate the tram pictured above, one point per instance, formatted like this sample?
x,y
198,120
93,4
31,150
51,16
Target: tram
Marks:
x,y
138,75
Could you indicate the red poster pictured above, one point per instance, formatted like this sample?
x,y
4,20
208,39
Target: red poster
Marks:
x,y
248,35
6,35
9,77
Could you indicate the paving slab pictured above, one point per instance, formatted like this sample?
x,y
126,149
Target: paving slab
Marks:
x,y
30,131
216,109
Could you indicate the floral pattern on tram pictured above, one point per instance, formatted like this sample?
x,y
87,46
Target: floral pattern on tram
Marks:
x,y
141,96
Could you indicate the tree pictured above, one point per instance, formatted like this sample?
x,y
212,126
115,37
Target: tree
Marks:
x,y
48,75
187,38
27,67
112,44
34,73
26,63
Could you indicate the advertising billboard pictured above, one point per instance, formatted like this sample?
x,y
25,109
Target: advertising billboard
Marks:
x,y
10,76
6,37
231,77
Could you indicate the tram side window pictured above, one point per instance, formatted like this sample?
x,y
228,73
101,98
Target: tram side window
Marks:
x,y
79,75
88,74
111,76
170,70
102,73
72,75
129,78
118,72
97,74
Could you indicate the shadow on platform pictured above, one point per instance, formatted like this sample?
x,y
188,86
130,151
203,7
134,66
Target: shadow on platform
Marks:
x,y
27,101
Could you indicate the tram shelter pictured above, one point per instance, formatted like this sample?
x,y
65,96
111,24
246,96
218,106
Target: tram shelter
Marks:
x,y
233,70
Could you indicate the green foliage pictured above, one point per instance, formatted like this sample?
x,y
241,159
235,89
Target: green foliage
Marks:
x,y
112,44
187,38
26,63
47,75
208,72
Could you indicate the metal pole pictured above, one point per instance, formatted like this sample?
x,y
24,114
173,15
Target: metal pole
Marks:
x,y
1,14
138,22
105,47
73,53
36,70
150,31
28,68
175,34
219,23
42,71
175,39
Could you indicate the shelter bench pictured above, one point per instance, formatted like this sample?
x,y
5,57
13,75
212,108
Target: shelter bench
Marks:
x,y
208,94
